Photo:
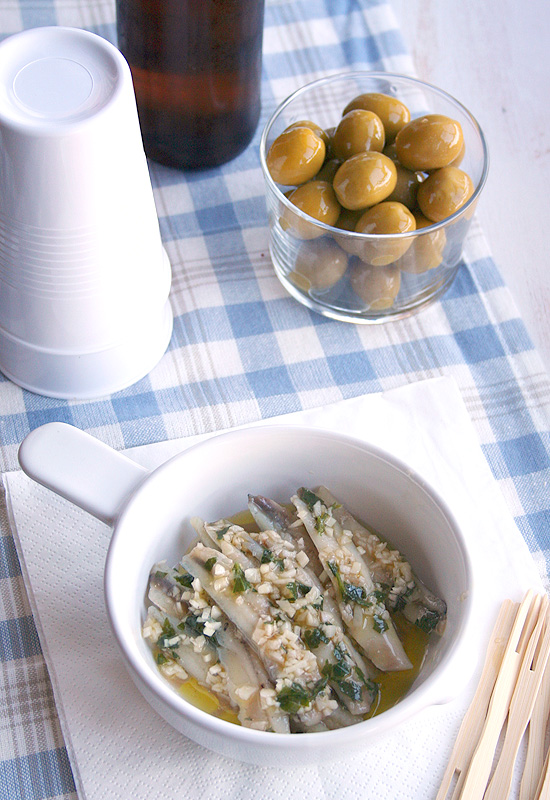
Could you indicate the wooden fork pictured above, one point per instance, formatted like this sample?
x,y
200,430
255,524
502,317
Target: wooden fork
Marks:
x,y
473,722
522,703
483,723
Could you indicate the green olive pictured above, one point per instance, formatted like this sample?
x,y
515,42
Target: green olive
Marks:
x,y
406,187
382,219
427,250
444,192
348,219
390,151
456,162
317,199
393,113
295,156
307,123
347,222
421,220
364,180
330,135
429,142
358,132
319,265
328,170
376,286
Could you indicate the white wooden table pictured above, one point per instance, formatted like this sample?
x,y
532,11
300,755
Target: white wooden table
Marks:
x,y
494,56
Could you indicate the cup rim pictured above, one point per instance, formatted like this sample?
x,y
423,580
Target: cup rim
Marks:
x,y
354,235
36,127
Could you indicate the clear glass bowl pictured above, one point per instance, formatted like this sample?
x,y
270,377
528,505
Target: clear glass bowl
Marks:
x,y
342,274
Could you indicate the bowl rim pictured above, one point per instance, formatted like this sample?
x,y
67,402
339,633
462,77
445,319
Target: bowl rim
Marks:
x,y
353,235
436,685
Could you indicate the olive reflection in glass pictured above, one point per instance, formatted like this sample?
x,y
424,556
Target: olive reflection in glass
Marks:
x,y
376,286
426,251
318,200
319,265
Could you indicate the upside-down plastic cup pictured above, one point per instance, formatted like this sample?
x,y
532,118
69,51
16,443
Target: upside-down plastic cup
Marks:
x,y
84,278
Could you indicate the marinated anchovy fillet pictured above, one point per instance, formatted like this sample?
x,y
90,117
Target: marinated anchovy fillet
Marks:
x,y
270,515
361,604
278,570
300,689
249,684
166,587
404,590
222,536
291,623
180,653
200,623
340,718
288,571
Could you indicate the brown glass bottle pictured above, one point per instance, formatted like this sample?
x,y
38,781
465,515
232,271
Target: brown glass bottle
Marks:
x,y
196,66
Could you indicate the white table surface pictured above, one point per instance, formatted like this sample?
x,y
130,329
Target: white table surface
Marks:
x,y
494,56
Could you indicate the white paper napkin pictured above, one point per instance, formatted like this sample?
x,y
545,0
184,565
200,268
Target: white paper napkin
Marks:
x,y
121,749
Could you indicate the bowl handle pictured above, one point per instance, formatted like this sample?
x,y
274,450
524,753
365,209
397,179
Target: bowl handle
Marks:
x,y
80,468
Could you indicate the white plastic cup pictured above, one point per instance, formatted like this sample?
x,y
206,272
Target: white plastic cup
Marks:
x,y
84,279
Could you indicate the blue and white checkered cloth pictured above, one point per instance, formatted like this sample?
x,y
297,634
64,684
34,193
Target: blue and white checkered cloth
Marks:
x,y
243,350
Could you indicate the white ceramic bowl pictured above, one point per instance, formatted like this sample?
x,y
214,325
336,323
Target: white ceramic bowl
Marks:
x,y
150,513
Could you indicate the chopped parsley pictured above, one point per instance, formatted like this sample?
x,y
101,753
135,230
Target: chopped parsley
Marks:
x,y
240,583
337,671
351,689
361,675
297,590
294,697
309,497
195,627
340,674
320,522
159,574
210,563
313,638
428,621
169,637
267,557
186,579
355,594
351,593
221,532
380,625
400,600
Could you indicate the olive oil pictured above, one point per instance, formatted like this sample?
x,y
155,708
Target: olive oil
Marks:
x,y
200,697
394,685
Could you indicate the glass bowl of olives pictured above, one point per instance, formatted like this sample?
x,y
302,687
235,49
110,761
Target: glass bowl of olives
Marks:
x,y
371,183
